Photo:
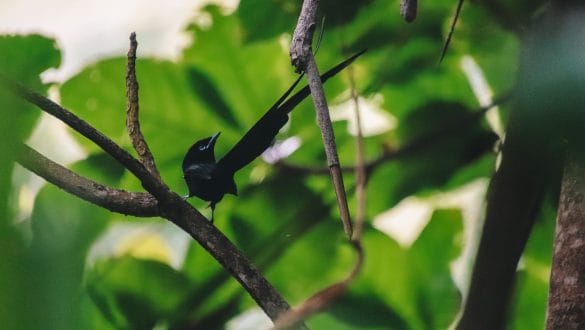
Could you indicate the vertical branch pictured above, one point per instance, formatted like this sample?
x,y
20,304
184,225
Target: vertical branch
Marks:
x,y
566,304
304,61
328,141
132,123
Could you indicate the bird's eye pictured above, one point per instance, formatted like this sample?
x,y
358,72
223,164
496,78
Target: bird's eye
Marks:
x,y
202,147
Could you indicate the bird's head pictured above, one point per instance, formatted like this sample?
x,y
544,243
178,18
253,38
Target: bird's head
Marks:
x,y
207,144
201,151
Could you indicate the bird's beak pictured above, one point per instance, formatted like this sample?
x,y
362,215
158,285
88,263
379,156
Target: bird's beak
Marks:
x,y
213,140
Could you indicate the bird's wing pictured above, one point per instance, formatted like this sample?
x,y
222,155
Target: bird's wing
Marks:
x,y
259,137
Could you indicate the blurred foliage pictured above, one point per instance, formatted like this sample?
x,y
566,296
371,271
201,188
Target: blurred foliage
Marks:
x,y
22,59
234,70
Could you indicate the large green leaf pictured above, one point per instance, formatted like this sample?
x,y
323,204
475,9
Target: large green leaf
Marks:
x,y
136,294
358,312
531,296
63,227
438,157
415,283
22,60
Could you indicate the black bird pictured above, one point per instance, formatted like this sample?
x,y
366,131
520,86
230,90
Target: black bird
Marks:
x,y
210,180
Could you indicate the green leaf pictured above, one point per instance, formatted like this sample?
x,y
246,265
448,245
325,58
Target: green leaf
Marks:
x,y
22,59
531,294
352,311
264,20
63,229
437,297
209,93
134,293
415,283
495,49
429,167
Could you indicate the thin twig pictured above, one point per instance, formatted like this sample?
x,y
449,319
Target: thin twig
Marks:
x,y
450,35
329,142
132,123
138,204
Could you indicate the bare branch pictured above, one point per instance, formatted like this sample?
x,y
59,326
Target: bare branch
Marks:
x,y
328,136
132,123
130,203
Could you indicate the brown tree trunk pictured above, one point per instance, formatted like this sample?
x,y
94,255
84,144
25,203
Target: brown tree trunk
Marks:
x,y
566,304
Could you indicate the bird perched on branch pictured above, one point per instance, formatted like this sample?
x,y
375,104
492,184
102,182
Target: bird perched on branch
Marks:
x,y
209,179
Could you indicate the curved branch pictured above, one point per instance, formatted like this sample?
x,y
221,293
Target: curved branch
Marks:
x,y
130,203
